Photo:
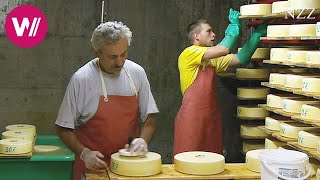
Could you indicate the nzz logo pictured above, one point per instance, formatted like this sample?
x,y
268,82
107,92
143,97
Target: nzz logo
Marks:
x,y
26,26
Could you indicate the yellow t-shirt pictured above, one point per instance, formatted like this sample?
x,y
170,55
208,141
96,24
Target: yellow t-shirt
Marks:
x,y
190,60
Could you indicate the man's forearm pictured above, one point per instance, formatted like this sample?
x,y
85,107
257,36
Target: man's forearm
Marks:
x,y
149,128
70,139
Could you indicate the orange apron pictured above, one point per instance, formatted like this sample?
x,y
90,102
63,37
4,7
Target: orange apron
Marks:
x,y
198,126
109,129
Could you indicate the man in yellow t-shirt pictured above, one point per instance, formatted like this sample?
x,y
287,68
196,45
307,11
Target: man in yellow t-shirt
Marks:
x,y
198,123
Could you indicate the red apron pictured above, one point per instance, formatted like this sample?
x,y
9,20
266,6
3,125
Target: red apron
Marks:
x,y
198,126
109,129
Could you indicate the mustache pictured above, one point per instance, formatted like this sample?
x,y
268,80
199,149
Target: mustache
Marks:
x,y
116,66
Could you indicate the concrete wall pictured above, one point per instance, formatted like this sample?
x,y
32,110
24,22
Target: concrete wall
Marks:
x,y
33,81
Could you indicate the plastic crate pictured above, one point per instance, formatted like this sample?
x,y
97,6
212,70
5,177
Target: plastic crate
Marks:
x,y
57,165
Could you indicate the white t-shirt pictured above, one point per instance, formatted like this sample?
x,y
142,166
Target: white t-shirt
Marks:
x,y
81,99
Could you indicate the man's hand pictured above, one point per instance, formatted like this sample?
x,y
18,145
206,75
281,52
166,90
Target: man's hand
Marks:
x,y
92,159
138,145
234,17
261,29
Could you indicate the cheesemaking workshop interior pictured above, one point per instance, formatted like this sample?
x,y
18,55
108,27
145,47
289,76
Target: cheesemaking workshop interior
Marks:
x,y
159,89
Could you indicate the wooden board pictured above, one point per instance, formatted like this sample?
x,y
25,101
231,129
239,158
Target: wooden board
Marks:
x,y
252,137
25,155
277,86
266,130
232,171
250,118
282,138
285,63
303,120
291,38
243,98
311,152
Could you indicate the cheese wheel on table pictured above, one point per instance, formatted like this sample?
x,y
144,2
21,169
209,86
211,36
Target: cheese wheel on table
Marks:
x,y
199,163
255,9
147,165
22,134
15,146
253,161
243,73
309,139
252,92
26,127
310,112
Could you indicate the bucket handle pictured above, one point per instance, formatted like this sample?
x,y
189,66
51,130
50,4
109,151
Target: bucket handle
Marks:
x,y
286,178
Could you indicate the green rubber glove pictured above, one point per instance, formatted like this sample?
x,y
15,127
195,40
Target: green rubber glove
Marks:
x,y
251,45
234,17
231,36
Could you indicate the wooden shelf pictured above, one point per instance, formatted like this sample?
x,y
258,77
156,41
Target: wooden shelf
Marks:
x,y
311,152
266,130
302,120
252,137
285,17
291,40
278,111
242,98
282,138
286,63
250,118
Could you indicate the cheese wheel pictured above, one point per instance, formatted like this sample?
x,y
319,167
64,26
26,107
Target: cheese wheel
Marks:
x,y
299,30
260,53
252,112
253,161
294,105
280,6
276,100
315,164
252,131
273,123
199,163
248,145
45,148
147,165
310,112
252,73
277,78
252,92
281,54
303,4
318,146
271,143
22,134
278,31
255,9
308,139
318,174
295,80
313,57
291,130
311,85
318,29
15,146
297,56
27,127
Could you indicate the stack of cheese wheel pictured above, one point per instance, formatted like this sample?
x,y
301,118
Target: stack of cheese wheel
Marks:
x,y
199,163
280,6
260,53
277,78
295,80
281,54
272,143
310,85
252,92
25,127
15,146
309,139
278,31
252,111
313,57
299,30
294,105
249,145
247,130
252,160
291,130
147,165
297,56
306,4
255,9
276,100
273,123
243,73
310,112
21,134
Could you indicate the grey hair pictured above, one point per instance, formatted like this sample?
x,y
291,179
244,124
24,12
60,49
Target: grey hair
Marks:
x,y
109,32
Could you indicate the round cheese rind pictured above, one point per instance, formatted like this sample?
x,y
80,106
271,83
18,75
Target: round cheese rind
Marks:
x,y
277,78
297,56
313,57
22,134
27,127
253,161
45,148
291,130
252,131
252,112
310,112
248,92
260,53
255,9
273,143
199,163
281,54
294,105
305,4
243,73
280,6
278,31
276,100
299,30
274,124
311,85
15,146
147,165
308,139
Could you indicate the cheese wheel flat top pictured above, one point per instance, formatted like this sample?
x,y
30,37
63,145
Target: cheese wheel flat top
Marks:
x,y
125,152
199,157
148,157
45,148
255,9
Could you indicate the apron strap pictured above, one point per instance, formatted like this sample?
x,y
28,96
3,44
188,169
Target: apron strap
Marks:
x,y
131,82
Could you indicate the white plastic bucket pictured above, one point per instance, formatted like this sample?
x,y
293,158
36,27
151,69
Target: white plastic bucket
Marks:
x,y
284,164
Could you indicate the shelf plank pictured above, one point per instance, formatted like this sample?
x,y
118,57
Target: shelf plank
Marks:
x,y
266,130
252,137
282,138
302,120
251,118
286,63
311,152
242,98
